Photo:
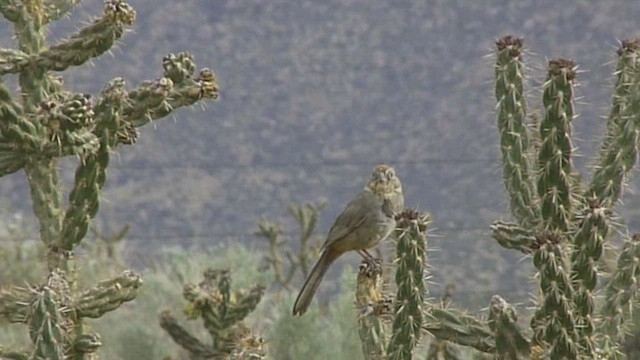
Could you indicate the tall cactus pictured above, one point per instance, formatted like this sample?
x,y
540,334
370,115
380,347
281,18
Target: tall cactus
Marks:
x,y
45,123
514,134
564,224
411,293
222,312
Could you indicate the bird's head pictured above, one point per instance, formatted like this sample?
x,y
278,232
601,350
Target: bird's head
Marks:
x,y
384,181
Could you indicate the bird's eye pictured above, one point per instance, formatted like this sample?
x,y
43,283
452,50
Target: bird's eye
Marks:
x,y
390,174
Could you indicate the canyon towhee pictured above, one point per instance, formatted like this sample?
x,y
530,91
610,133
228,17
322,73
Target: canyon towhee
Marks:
x,y
367,220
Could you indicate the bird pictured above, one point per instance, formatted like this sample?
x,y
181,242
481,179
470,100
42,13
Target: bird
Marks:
x,y
368,219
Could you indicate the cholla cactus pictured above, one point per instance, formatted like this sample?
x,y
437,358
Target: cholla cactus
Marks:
x,y
410,280
45,123
222,312
573,223
409,304
562,223
372,306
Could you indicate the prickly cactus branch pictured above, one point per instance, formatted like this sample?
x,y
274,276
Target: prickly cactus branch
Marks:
x,y
503,321
514,134
587,251
410,276
222,312
512,236
621,294
554,322
455,326
554,158
182,337
620,149
372,306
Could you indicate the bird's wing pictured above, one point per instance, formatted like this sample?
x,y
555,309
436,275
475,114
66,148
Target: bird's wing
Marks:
x,y
356,214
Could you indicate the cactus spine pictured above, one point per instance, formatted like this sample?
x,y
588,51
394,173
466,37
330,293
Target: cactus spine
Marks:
x,y
47,122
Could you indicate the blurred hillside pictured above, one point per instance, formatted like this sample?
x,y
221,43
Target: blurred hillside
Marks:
x,y
314,93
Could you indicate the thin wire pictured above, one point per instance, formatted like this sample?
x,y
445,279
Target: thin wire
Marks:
x,y
325,163
231,234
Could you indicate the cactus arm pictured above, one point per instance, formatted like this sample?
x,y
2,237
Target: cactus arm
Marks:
x,y
621,292
514,136
45,192
84,198
182,337
512,236
12,61
410,260
158,99
587,251
510,342
9,9
554,158
91,41
41,173
221,310
11,133
45,326
553,323
369,297
108,295
620,148
245,304
56,9
459,328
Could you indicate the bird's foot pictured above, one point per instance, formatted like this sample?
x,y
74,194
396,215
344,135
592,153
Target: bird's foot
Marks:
x,y
371,265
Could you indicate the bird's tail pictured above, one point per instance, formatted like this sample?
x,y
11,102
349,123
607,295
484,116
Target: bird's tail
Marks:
x,y
310,286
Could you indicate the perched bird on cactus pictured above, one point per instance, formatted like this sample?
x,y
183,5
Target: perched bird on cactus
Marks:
x,y
367,220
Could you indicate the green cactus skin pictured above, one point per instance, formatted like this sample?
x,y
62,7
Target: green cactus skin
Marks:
x,y
222,312
514,136
554,322
47,122
45,326
620,295
460,328
513,236
587,250
620,148
371,305
554,157
410,272
510,342
108,295
182,337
